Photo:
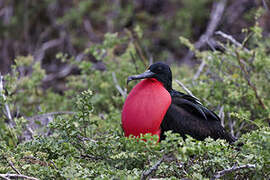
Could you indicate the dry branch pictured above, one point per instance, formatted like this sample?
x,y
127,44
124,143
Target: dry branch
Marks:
x,y
215,17
231,39
3,177
185,88
40,53
148,172
65,71
8,114
265,5
219,174
8,176
12,166
221,115
199,71
118,87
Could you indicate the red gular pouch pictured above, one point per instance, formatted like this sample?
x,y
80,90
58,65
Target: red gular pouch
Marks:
x,y
145,108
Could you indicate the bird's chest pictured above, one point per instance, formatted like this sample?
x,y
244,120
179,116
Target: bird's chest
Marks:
x,y
145,108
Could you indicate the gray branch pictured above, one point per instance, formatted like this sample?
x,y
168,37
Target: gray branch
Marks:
x,y
219,174
65,71
199,71
215,17
118,87
8,176
265,5
8,114
40,53
148,172
231,39
12,166
221,115
185,88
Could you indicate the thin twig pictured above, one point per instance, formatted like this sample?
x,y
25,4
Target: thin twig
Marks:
x,y
40,53
215,17
221,115
8,114
53,165
231,125
200,69
219,174
148,172
65,71
265,5
12,166
7,176
245,73
231,39
4,177
185,88
86,139
239,129
118,87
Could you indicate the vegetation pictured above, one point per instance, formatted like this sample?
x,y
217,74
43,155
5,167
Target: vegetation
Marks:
x,y
75,132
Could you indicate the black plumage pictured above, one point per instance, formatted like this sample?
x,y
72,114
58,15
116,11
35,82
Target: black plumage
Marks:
x,y
186,114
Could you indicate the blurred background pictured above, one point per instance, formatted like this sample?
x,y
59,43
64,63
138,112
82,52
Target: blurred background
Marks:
x,y
64,65
43,28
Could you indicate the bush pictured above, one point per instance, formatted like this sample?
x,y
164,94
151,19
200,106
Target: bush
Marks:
x,y
87,141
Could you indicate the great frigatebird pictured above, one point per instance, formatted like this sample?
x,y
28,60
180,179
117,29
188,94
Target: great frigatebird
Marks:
x,y
154,107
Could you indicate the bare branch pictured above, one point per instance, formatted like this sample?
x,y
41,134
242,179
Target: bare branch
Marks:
x,y
265,5
219,174
200,69
39,54
12,166
215,17
185,88
53,165
86,139
4,177
221,115
118,87
231,39
7,176
8,114
64,71
148,172
239,129
90,31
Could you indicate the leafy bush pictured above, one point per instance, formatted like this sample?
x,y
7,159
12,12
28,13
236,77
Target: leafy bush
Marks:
x,y
87,141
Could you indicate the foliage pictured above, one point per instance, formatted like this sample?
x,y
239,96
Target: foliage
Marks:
x,y
88,142
45,28
244,72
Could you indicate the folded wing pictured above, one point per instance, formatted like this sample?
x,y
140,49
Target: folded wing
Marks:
x,y
186,115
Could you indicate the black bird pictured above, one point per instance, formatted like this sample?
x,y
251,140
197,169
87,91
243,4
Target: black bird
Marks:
x,y
154,107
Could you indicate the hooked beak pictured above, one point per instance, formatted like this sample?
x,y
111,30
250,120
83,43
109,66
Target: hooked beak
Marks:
x,y
146,74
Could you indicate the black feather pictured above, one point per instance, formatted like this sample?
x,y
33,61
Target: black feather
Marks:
x,y
186,114
193,119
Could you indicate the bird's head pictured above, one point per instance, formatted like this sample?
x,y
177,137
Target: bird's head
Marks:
x,y
159,71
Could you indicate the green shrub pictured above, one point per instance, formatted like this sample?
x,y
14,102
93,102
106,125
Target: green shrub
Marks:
x,y
89,143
